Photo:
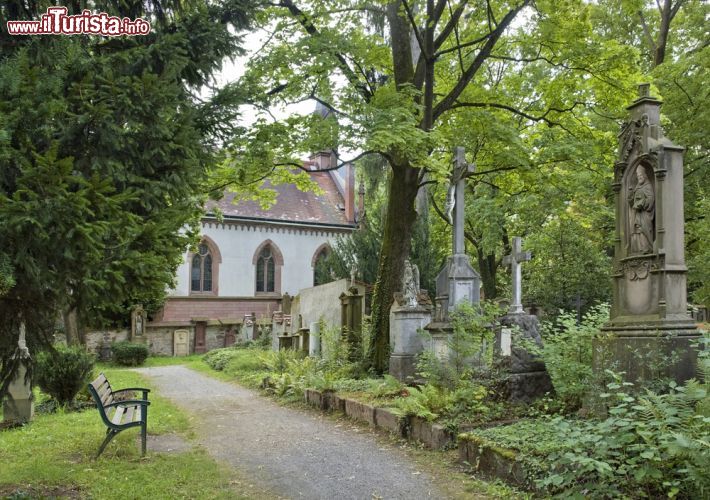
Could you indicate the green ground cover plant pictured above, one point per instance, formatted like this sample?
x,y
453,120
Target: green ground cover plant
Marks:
x,y
56,450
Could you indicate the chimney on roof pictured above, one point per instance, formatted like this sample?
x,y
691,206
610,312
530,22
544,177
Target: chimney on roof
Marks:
x,y
360,201
349,192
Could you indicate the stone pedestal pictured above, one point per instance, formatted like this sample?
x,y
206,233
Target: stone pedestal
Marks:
x,y
406,341
649,320
314,340
19,404
527,377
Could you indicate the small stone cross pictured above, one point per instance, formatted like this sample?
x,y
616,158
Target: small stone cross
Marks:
x,y
514,260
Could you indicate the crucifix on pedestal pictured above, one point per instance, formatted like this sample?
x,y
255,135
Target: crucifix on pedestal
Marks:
x,y
514,260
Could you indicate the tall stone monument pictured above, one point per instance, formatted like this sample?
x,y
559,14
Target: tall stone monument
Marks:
x,y
458,281
18,406
649,319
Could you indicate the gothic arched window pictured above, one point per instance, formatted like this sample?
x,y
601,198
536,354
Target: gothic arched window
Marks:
x,y
322,273
201,272
266,271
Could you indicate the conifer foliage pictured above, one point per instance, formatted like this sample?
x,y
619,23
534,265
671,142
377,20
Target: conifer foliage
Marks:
x,y
104,145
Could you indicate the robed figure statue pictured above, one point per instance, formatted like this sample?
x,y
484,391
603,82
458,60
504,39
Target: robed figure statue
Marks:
x,y
642,201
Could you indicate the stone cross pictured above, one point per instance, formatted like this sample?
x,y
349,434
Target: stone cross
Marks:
x,y
459,179
514,260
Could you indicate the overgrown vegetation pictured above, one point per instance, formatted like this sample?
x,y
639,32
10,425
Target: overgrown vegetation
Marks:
x,y
63,372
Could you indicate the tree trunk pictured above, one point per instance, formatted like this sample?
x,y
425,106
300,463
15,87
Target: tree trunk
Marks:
x,y
666,17
71,326
396,243
487,266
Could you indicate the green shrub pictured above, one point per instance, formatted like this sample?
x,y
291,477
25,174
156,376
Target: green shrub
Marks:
x,y
217,359
567,353
64,372
129,354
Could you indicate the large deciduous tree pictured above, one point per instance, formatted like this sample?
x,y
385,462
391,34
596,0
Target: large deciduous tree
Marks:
x,y
104,148
409,87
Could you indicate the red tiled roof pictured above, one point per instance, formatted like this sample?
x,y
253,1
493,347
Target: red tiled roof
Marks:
x,y
293,205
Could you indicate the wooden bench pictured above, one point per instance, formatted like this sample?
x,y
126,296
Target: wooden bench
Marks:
x,y
118,413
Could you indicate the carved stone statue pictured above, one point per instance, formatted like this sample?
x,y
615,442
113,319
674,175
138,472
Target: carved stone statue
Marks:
x,y
450,202
642,201
22,350
410,284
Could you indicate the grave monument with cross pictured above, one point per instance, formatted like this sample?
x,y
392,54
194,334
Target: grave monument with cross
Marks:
x,y
514,260
526,377
458,281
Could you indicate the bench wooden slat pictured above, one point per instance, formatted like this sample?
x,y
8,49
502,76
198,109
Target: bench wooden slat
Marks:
x,y
129,413
107,398
118,415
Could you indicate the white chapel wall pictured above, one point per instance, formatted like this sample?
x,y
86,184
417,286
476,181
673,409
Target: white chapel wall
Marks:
x,y
237,245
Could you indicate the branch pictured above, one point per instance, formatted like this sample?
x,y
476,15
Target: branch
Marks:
x,y
647,32
463,45
448,28
307,25
415,28
483,54
542,118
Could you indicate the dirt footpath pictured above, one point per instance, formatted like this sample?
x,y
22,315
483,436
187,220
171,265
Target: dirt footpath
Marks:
x,y
290,453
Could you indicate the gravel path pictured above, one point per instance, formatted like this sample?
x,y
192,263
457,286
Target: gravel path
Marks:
x,y
293,454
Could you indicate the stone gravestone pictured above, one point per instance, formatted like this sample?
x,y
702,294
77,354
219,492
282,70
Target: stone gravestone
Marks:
x,y
526,377
247,333
18,406
458,281
139,319
407,318
648,318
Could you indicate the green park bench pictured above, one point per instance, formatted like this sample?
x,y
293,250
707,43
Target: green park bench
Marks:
x,y
118,413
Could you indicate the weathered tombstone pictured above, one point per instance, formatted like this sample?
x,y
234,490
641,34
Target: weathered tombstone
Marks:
x,y
314,339
285,339
181,343
139,319
18,406
351,307
248,327
458,281
648,320
229,336
407,318
277,329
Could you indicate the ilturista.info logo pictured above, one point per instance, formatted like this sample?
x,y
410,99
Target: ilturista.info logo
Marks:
x,y
57,22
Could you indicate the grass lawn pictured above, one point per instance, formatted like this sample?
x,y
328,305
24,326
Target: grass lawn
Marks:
x,y
53,456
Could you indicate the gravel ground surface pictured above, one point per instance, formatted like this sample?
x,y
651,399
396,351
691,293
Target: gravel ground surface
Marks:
x,y
290,453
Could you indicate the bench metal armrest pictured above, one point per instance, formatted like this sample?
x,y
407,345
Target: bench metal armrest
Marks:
x,y
128,402
132,389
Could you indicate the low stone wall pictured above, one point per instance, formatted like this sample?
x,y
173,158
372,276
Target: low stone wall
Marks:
x,y
493,461
432,435
97,339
